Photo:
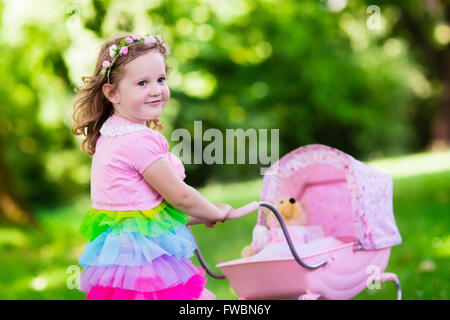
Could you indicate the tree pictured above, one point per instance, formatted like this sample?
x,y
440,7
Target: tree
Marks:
x,y
424,23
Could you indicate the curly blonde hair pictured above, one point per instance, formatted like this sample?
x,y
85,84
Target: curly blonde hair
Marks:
x,y
91,108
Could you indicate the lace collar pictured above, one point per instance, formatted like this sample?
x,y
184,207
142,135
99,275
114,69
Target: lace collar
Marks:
x,y
117,126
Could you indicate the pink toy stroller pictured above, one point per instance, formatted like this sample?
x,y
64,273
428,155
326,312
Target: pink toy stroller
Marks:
x,y
350,201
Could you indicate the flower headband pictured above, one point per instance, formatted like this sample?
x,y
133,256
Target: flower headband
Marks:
x,y
122,49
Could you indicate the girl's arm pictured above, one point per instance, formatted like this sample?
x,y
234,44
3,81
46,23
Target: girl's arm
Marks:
x,y
194,220
161,176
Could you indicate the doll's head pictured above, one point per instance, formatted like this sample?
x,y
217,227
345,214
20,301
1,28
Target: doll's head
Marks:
x,y
130,74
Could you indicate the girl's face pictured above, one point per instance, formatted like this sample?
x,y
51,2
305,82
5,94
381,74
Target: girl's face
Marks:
x,y
142,92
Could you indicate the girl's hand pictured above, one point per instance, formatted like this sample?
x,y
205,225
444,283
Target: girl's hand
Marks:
x,y
225,209
210,224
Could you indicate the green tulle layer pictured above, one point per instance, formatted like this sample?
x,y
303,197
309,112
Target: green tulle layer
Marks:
x,y
153,222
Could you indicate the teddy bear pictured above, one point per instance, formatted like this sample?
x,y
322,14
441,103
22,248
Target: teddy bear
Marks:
x,y
293,214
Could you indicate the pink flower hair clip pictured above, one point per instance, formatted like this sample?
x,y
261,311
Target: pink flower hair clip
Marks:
x,y
122,49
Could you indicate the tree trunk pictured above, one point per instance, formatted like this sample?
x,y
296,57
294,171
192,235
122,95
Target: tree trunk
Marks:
x,y
12,208
437,61
441,124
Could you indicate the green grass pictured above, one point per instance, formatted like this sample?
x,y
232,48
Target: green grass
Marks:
x,y
36,265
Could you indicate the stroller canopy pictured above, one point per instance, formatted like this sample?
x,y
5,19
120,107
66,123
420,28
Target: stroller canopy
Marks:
x,y
348,198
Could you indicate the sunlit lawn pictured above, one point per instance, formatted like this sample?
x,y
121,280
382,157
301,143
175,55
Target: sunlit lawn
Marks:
x,y
35,265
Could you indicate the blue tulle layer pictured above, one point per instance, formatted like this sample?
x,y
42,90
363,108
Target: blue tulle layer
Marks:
x,y
134,249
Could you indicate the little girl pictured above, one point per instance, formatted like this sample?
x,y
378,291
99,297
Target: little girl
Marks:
x,y
139,246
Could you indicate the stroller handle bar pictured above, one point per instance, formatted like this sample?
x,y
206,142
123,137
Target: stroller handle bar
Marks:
x,y
242,211
247,209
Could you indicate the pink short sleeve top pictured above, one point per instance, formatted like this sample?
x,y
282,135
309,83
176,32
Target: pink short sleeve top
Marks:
x,y
122,153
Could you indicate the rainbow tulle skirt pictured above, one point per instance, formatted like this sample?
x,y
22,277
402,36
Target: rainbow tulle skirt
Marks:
x,y
140,255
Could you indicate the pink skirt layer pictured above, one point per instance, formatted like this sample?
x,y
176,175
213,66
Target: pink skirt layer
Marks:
x,y
193,289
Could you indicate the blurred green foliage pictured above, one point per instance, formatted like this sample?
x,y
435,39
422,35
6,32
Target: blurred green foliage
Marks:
x,y
317,75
